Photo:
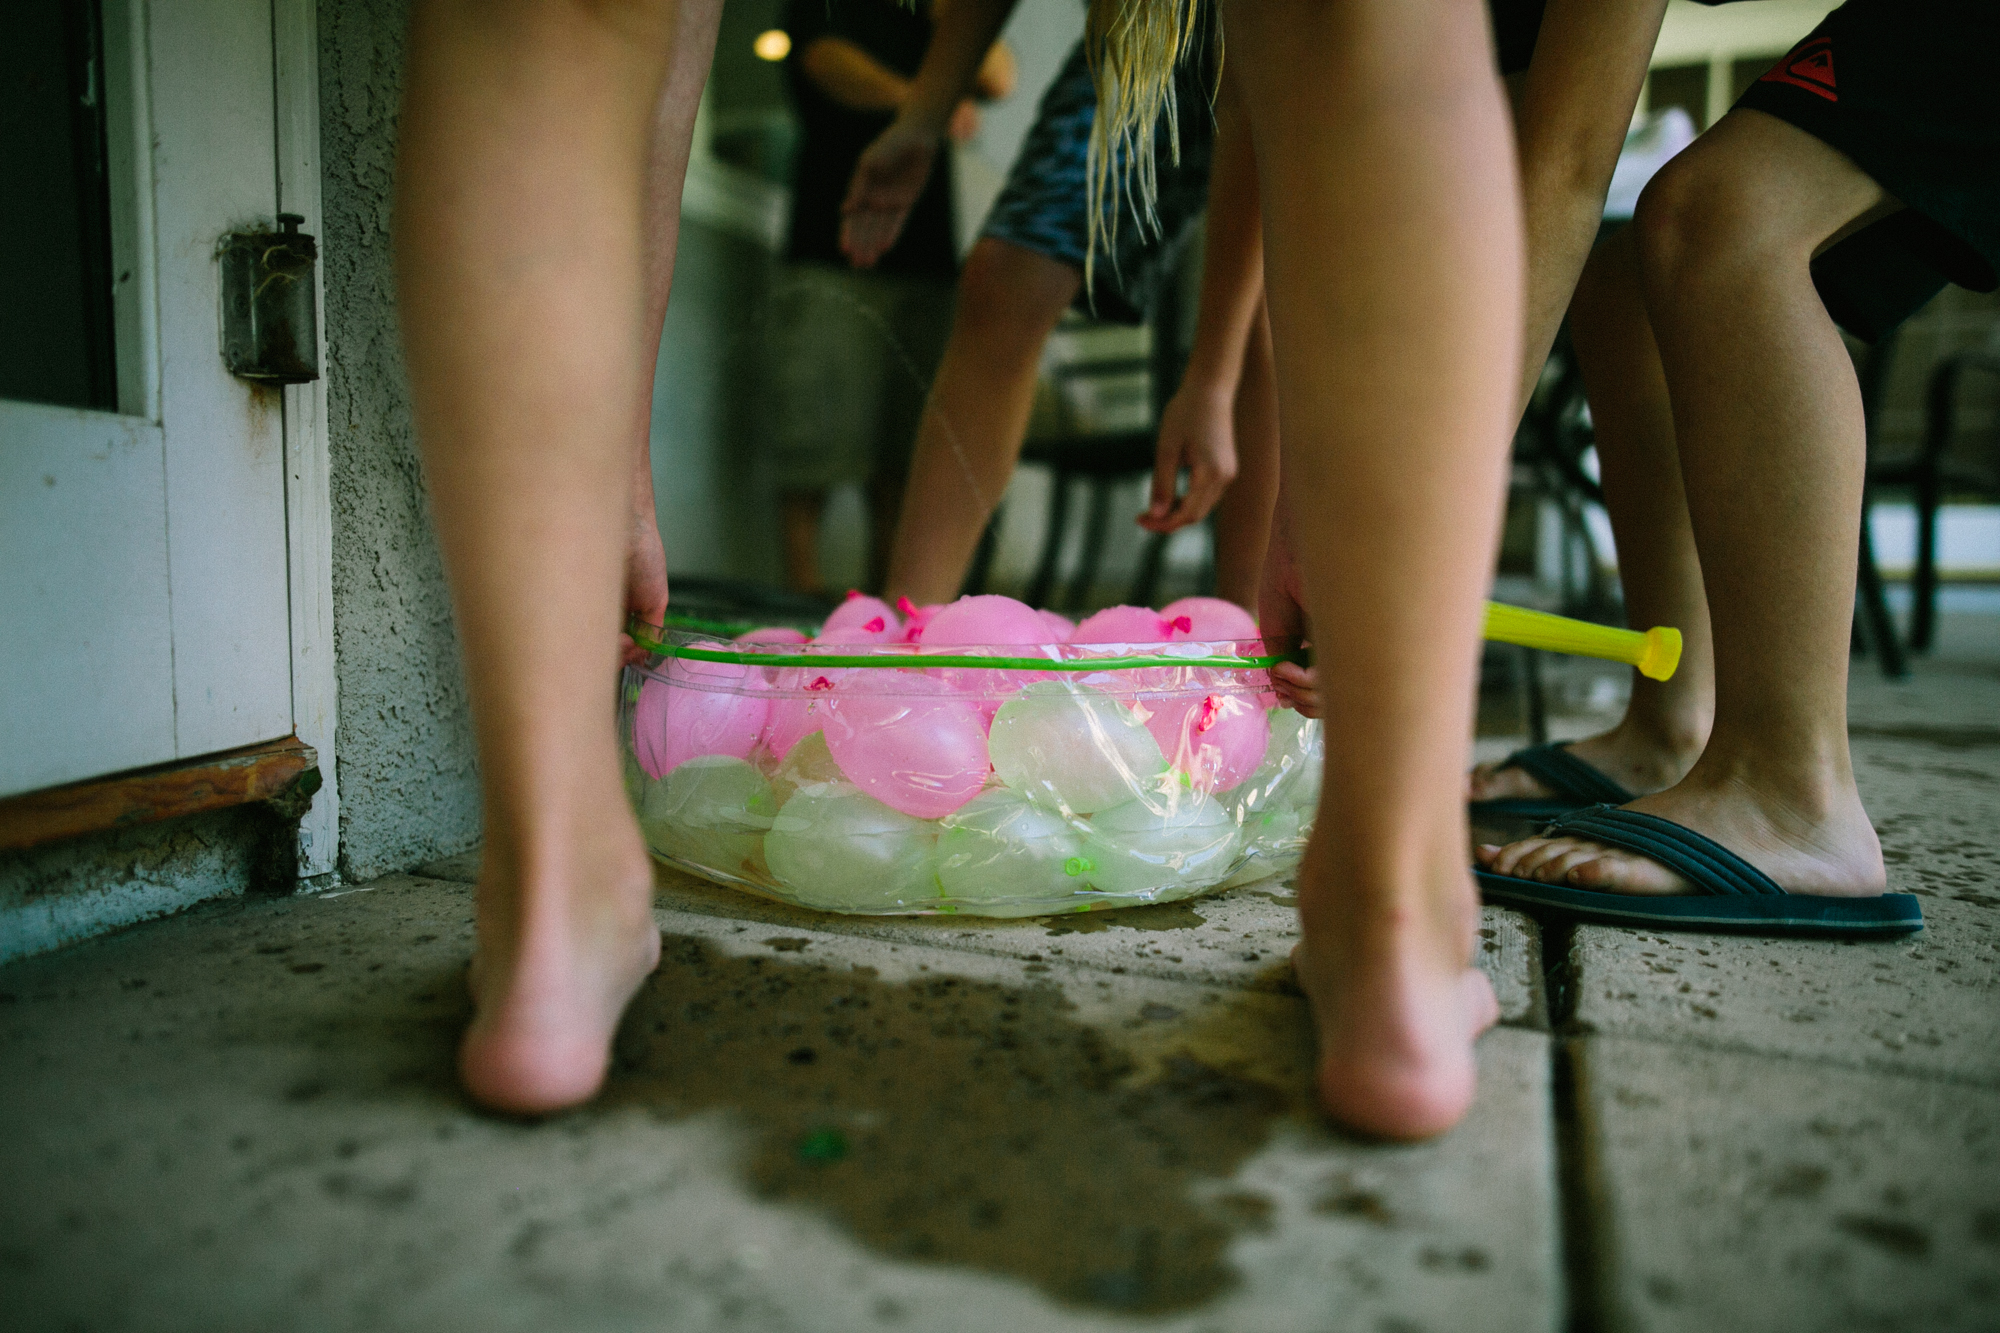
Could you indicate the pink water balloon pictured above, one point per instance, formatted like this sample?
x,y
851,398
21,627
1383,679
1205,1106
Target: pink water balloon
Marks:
x,y
1060,627
987,619
802,695
783,636
797,711
1218,740
920,749
1124,624
1210,620
775,634
871,615
852,636
915,618
1133,625
701,708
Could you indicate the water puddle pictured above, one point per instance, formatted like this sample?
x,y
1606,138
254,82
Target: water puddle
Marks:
x,y
974,1124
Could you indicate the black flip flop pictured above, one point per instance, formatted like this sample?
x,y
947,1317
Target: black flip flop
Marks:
x,y
1573,782
1731,894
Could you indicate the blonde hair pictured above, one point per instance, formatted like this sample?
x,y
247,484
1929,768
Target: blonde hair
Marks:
x,y
1133,47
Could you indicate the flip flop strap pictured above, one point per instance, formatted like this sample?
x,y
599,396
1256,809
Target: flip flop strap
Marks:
x,y
1567,776
1704,863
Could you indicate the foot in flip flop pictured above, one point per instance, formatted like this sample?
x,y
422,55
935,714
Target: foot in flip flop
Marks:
x,y
1542,781
1708,856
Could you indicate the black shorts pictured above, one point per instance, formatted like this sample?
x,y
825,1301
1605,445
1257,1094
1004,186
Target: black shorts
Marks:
x,y
1905,89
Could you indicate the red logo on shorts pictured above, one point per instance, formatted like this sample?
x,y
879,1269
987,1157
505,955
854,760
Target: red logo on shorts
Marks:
x,y
1809,66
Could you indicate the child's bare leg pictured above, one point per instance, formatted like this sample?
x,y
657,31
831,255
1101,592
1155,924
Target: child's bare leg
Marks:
x,y
1768,418
1393,262
1666,723
521,195
1243,514
1009,298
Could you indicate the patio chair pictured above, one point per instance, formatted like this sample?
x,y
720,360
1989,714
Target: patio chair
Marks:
x,y
1874,625
1934,473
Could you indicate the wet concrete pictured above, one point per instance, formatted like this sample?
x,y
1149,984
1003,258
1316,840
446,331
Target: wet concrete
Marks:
x,y
242,1117
973,1123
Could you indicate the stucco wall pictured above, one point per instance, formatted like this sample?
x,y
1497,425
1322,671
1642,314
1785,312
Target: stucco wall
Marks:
x,y
408,785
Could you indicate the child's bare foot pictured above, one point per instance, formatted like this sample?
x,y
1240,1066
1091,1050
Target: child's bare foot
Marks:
x,y
1634,760
1397,1008
557,960
1808,837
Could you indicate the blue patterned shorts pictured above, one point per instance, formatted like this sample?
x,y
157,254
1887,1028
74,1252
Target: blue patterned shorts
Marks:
x,y
1044,206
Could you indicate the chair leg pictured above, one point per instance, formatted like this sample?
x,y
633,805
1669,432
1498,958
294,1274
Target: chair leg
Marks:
x,y
1094,524
1146,586
1044,581
1533,703
1940,410
1923,586
1874,608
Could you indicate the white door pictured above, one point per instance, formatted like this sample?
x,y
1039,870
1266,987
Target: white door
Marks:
x,y
145,610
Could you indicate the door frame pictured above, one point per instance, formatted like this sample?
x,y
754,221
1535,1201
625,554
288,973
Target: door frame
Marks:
x,y
308,495
288,687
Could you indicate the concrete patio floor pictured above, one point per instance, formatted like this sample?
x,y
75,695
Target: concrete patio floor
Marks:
x,y
242,1117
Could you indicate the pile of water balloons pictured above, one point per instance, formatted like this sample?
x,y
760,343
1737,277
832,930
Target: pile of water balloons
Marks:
x,y
1001,791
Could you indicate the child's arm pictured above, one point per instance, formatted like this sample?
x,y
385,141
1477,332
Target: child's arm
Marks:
x,y
893,169
1573,108
1197,429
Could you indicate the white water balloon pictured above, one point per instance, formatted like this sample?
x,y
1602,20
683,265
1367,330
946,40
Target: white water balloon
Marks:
x,y
1073,747
1183,843
712,810
1002,846
1273,844
835,846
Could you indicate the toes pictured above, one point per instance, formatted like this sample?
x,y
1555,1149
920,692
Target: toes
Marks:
x,y
1558,869
1525,859
1600,872
1620,872
1507,861
1584,865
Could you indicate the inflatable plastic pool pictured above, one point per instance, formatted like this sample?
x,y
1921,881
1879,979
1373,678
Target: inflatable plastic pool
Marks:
x,y
957,759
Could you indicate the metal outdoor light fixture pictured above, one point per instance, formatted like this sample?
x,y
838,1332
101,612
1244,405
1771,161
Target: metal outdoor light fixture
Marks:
x,y
270,308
